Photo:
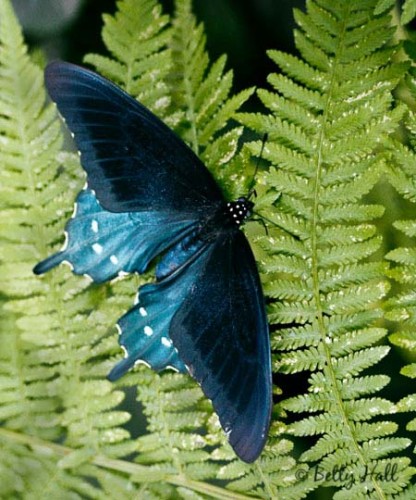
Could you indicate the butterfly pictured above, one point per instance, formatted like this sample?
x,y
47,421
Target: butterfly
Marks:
x,y
148,195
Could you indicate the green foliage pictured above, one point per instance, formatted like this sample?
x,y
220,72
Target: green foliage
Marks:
x,y
408,9
329,113
402,307
332,122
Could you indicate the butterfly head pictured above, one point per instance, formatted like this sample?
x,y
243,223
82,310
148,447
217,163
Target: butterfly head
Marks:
x,y
238,211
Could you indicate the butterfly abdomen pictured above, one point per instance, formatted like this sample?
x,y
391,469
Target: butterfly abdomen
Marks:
x,y
183,252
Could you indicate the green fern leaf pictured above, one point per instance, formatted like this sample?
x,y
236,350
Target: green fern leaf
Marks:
x,y
137,37
329,113
43,334
402,306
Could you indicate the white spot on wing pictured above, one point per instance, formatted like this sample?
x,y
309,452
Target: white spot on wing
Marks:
x,y
65,245
66,262
94,226
142,311
166,342
97,248
86,275
142,362
114,259
74,212
148,331
170,367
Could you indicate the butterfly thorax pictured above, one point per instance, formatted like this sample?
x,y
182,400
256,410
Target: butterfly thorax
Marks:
x,y
239,210
228,217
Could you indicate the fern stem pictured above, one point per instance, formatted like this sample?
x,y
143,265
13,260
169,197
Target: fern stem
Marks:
x,y
271,492
183,22
315,261
49,448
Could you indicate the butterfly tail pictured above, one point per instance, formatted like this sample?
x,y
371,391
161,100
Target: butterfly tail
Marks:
x,y
120,369
49,263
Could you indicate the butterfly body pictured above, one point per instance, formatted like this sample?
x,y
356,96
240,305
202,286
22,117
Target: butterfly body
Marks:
x,y
148,195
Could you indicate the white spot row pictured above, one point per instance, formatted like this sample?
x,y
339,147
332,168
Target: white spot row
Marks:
x,y
148,331
98,249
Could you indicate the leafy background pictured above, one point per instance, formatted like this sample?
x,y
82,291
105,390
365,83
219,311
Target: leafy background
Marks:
x,y
338,266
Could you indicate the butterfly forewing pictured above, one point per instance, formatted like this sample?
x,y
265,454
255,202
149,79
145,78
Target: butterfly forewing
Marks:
x,y
133,160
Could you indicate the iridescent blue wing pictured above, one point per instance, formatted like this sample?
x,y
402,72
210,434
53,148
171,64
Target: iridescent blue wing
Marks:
x,y
221,334
150,187
147,193
144,330
210,311
103,244
133,160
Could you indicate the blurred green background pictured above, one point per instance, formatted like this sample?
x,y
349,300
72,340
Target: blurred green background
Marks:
x,y
243,29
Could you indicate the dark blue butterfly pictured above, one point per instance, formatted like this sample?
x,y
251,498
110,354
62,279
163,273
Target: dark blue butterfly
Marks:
x,y
148,194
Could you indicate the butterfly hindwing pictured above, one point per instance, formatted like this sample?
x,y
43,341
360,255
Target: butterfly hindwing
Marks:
x,y
133,160
221,334
102,244
144,334
210,311
144,330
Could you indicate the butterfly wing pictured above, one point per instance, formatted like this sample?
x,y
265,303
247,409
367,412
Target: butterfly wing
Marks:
x,y
211,307
147,192
144,330
133,160
147,189
103,244
221,334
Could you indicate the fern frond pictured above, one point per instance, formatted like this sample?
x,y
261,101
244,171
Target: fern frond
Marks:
x,y
21,89
63,430
202,92
172,444
52,369
137,37
330,112
408,9
401,308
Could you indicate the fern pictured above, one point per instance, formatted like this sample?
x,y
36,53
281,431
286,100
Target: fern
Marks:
x,y
137,38
329,116
51,378
402,306
94,439
408,9
325,129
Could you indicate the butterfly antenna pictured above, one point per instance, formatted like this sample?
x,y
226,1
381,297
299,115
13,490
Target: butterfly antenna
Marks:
x,y
256,169
262,219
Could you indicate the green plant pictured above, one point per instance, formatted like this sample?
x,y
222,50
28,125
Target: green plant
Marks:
x,y
332,117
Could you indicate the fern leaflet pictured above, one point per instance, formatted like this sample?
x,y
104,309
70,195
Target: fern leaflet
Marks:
x,y
326,124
